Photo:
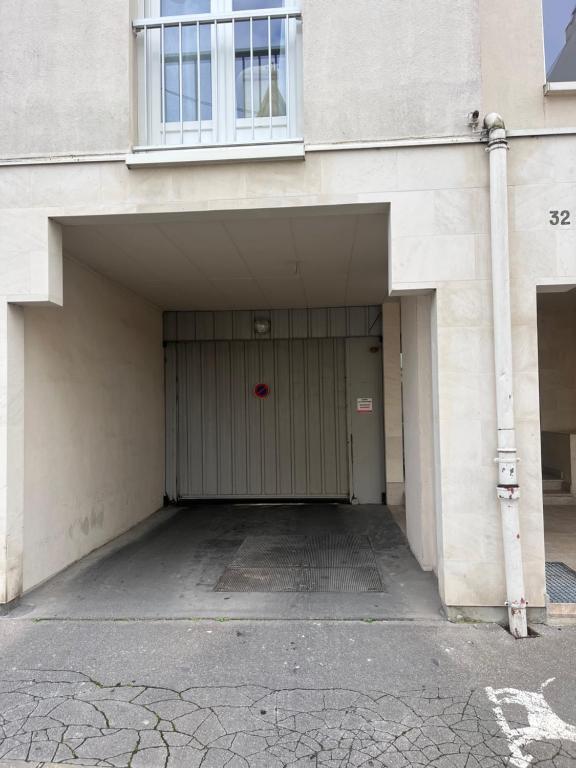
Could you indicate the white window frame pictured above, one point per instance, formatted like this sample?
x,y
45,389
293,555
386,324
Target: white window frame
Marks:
x,y
225,128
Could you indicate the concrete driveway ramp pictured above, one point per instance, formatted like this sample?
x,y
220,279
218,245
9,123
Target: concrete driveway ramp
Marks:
x,y
246,561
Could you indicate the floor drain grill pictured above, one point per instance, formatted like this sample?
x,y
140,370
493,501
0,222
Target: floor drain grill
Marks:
x,y
560,583
303,564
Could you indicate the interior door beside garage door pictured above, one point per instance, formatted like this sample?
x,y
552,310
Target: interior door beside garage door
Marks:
x,y
223,442
365,408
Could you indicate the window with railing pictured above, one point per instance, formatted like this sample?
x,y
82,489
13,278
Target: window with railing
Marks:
x,y
214,72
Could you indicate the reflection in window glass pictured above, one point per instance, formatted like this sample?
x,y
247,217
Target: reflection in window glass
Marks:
x,y
256,5
180,7
260,78
560,39
190,63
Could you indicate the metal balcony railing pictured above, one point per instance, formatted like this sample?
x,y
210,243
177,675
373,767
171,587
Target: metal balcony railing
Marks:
x,y
212,79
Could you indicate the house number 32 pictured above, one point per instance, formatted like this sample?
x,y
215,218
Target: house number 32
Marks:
x,y
559,217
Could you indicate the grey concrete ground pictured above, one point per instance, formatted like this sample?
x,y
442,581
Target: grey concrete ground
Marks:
x,y
269,694
82,684
168,568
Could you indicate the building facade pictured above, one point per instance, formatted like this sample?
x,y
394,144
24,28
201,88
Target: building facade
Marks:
x,y
202,197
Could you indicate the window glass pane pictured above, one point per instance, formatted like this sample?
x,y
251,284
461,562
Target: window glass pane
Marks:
x,y
179,7
190,63
560,39
256,5
260,78
171,76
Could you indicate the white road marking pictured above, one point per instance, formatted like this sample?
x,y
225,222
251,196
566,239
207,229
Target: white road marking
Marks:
x,y
544,723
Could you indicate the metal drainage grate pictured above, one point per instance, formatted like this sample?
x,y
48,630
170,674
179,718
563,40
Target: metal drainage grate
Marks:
x,y
302,564
560,583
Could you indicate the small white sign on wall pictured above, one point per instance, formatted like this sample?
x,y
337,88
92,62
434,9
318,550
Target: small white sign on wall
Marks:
x,y
364,405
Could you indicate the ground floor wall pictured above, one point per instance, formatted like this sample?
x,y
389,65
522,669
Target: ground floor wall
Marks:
x,y
439,245
94,420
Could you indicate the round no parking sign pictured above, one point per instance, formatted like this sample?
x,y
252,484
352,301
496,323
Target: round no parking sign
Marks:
x,y
261,391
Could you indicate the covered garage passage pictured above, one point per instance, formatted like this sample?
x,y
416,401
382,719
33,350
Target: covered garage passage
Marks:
x,y
234,357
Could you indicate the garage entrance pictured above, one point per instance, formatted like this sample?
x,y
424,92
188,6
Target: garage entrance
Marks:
x,y
252,342
294,415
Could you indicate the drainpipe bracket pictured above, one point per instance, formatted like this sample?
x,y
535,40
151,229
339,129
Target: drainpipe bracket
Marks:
x,y
517,605
496,144
508,492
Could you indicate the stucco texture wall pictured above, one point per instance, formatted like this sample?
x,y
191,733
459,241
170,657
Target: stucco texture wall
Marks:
x,y
373,71
94,420
557,361
65,69
376,70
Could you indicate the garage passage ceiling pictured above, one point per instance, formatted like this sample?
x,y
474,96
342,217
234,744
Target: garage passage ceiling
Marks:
x,y
241,260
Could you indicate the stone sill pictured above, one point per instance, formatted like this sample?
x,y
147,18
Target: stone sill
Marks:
x,y
567,88
237,153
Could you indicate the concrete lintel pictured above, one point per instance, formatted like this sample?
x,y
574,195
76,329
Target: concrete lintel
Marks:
x,y
412,289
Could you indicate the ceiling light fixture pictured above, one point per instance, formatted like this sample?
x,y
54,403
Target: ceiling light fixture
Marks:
x,y
261,326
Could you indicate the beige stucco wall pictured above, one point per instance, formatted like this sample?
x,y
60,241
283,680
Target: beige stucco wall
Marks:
x,y
557,356
388,70
398,71
94,420
65,76
377,72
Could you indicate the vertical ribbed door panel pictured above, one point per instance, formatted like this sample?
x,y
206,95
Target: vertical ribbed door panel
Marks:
x,y
223,441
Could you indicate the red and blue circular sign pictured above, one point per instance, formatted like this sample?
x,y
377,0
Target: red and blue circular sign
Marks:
x,y
261,391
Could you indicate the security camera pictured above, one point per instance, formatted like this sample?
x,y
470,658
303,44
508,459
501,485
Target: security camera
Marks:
x,y
474,119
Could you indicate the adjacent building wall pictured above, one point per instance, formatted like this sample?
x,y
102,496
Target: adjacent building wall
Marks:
x,y
513,67
557,361
94,420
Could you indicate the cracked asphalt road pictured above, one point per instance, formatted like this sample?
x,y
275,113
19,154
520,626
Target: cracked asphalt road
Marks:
x,y
273,694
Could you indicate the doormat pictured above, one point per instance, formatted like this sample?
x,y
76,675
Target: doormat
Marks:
x,y
560,583
303,564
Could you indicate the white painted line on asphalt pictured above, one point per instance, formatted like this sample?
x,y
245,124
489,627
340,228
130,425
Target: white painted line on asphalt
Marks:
x,y
544,723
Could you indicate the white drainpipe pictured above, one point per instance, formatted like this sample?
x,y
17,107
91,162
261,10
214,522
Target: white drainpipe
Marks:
x,y
508,489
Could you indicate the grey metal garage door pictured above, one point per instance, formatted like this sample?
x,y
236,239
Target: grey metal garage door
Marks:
x,y
225,441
